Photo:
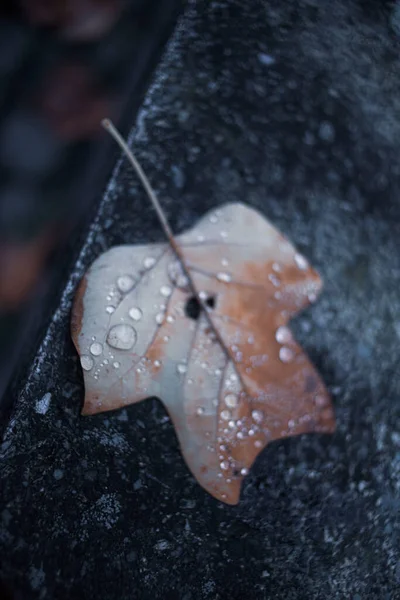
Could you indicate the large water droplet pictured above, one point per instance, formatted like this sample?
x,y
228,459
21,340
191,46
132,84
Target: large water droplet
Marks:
x,y
135,313
96,349
87,362
283,335
231,400
301,262
225,277
125,283
286,354
149,262
121,337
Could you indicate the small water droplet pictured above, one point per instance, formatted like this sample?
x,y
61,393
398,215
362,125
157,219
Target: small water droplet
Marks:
x,y
160,318
321,400
149,262
239,435
135,313
274,280
225,415
258,443
231,400
250,339
157,363
291,424
277,295
166,338
218,371
232,424
276,267
312,296
224,262
177,275
181,368
251,432
105,361
224,465
170,319
116,365
204,365
213,218
125,283
87,362
110,310
190,381
225,277
200,238
200,410
121,337
203,295
96,349
286,354
165,291
257,416
283,335
244,471
300,261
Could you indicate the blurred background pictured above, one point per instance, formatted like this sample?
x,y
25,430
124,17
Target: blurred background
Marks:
x,y
64,65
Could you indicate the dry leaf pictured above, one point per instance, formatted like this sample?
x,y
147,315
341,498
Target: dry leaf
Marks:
x,y
232,380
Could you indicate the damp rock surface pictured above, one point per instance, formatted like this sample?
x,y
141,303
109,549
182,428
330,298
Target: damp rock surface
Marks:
x,y
290,107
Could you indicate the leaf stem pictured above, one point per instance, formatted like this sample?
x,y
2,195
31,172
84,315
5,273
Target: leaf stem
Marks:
x,y
108,126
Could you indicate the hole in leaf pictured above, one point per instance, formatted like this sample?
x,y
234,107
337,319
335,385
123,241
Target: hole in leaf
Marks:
x,y
193,308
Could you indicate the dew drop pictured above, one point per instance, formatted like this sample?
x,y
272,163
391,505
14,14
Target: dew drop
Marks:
x,y
135,313
251,432
257,416
239,435
274,280
244,471
125,283
157,363
225,277
291,424
181,368
300,261
225,415
159,318
203,295
116,365
258,443
224,465
121,337
105,361
283,335
87,362
231,400
217,371
96,349
276,267
200,410
232,424
286,354
177,275
110,310
312,296
170,319
165,291
250,339
224,262
149,262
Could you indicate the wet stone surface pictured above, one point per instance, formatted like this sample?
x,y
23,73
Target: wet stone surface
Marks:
x,y
292,108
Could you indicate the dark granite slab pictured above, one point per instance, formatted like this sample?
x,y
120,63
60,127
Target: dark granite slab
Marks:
x,y
294,108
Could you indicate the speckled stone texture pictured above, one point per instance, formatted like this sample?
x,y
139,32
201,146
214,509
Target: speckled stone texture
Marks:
x,y
292,107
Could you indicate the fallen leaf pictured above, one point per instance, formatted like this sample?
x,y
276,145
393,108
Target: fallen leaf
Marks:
x,y
201,322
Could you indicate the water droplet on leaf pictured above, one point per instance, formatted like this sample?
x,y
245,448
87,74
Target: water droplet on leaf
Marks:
x,y
121,337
